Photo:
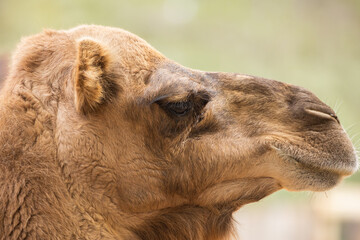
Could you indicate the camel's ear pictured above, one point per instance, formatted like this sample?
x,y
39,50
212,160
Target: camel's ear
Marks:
x,y
94,83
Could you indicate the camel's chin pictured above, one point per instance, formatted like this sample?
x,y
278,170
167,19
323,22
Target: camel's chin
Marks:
x,y
302,176
312,181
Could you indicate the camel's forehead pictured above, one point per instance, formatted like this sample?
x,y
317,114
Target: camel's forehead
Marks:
x,y
176,74
170,71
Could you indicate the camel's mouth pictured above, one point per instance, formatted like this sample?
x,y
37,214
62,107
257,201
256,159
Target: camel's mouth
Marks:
x,y
298,170
344,164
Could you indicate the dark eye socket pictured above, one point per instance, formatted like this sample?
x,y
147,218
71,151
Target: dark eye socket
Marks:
x,y
179,108
193,102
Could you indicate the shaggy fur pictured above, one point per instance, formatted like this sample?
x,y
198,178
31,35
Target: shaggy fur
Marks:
x,y
102,137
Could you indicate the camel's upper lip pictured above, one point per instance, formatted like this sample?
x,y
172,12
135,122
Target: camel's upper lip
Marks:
x,y
342,168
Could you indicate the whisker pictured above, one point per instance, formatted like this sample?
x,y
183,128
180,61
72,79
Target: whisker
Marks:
x,y
337,106
351,127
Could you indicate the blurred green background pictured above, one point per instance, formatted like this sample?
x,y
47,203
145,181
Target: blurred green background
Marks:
x,y
311,43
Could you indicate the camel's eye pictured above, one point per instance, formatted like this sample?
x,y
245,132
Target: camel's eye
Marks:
x,y
179,108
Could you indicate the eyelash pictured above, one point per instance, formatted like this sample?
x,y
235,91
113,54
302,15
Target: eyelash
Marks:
x,y
192,103
179,108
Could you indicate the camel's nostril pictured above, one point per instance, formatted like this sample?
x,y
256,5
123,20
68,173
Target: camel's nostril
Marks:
x,y
335,117
323,114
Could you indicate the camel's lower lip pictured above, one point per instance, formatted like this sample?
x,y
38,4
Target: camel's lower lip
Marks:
x,y
344,169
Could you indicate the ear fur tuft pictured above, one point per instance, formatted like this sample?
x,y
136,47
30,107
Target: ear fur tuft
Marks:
x,y
93,82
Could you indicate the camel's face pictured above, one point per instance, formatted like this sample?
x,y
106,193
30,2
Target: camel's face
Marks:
x,y
175,136
304,145
204,130
245,126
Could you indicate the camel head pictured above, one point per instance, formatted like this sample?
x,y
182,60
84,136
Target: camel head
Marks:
x,y
145,139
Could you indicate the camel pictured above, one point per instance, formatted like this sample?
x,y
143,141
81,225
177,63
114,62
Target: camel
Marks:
x,y
103,137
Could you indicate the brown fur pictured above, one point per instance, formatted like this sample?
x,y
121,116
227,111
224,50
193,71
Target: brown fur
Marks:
x,y
104,138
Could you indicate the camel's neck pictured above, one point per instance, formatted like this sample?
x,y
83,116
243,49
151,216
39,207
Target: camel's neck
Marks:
x,y
26,133
188,222
33,201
